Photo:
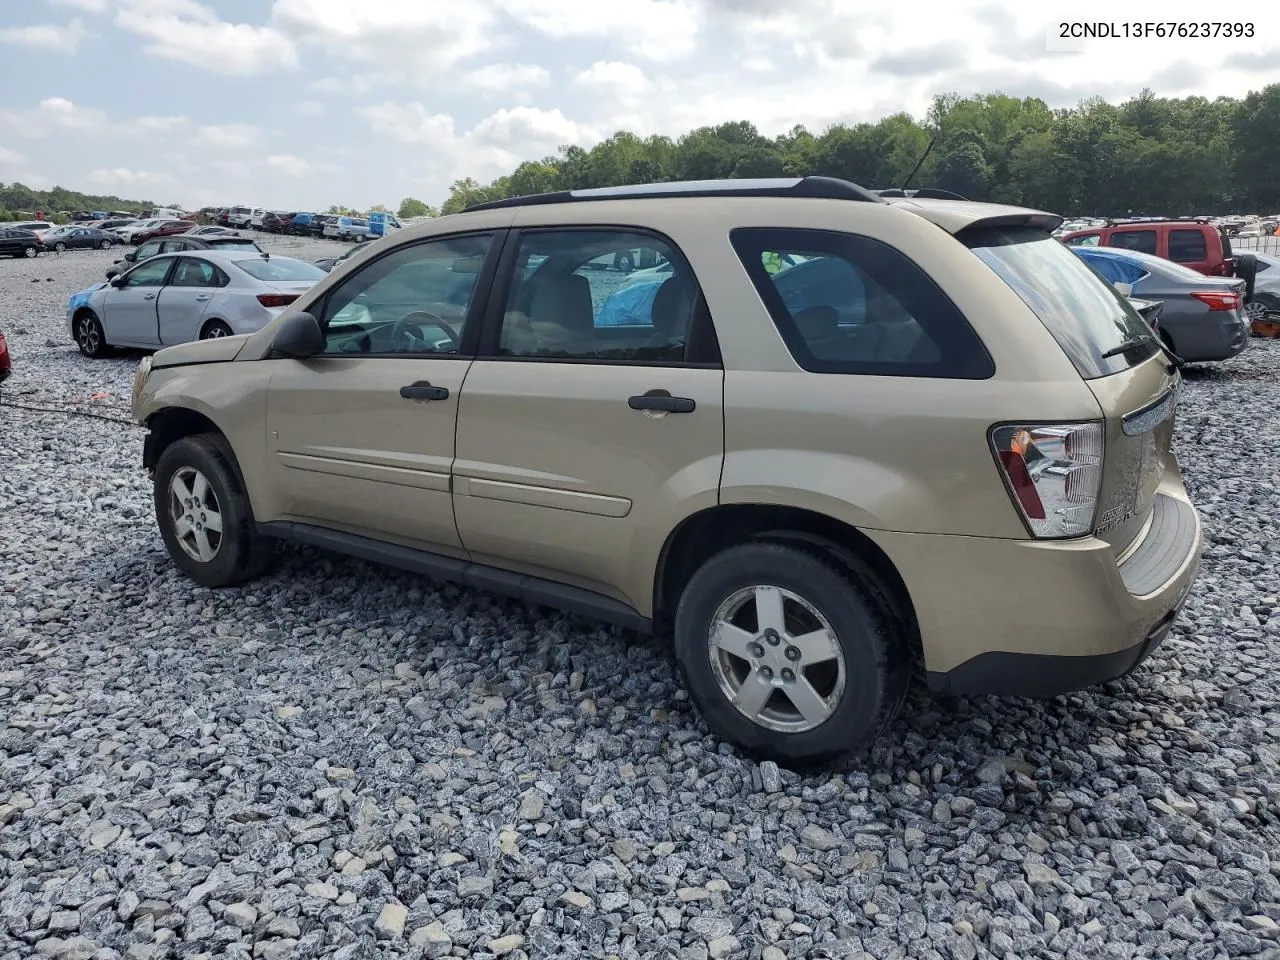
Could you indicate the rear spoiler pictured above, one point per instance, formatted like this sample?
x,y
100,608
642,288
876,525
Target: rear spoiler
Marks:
x,y
1048,222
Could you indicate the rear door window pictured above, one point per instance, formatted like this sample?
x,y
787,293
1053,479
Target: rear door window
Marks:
x,y
1140,240
850,304
1086,316
1187,246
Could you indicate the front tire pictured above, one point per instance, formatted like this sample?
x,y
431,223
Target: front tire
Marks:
x,y
90,337
59,247
29,252
104,245
204,514
788,655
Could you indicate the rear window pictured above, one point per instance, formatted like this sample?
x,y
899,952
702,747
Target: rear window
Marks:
x,y
1187,246
850,304
216,241
1085,315
275,269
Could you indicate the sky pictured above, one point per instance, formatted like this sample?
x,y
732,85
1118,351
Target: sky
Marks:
x,y
299,104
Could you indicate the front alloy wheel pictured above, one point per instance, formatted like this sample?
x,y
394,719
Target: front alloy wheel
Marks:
x,y
195,514
89,336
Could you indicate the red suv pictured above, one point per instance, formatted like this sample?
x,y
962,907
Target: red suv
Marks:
x,y
6,365
1196,243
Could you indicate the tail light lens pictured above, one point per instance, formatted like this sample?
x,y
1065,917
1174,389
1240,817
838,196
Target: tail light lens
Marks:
x,y
276,299
1054,475
1218,300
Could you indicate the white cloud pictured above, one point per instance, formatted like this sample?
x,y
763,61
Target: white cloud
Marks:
x,y
512,80
88,6
157,124
229,136
11,158
325,85
287,163
522,127
47,36
621,77
191,32
124,177
414,39
661,30
311,108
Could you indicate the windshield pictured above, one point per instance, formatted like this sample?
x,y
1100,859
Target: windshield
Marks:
x,y
278,269
1085,314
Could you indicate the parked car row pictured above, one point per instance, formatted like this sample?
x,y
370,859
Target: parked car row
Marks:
x,y
305,224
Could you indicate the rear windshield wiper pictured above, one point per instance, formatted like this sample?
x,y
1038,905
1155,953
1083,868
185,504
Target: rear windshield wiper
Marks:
x,y
1176,362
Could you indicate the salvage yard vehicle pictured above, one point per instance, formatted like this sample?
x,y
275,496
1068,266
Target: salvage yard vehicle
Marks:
x,y
19,243
184,241
956,459
1202,318
73,237
178,297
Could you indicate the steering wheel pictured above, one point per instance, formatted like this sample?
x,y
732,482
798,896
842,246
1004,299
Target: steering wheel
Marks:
x,y
404,327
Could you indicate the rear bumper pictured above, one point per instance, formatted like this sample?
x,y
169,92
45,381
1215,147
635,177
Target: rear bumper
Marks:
x,y
1211,338
1042,618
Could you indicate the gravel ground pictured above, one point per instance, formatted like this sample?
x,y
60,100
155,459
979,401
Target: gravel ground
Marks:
x,y
345,761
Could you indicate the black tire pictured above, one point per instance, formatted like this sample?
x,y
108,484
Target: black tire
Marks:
x,y
30,252
1247,270
59,247
104,245
241,553
90,337
214,329
876,654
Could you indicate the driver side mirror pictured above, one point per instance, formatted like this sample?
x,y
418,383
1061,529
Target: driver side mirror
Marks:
x,y
117,280
131,256
298,337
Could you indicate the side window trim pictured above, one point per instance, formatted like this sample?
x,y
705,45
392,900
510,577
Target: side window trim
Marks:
x,y
475,311
490,332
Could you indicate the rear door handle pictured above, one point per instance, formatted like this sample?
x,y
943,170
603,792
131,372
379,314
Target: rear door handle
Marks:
x,y
206,297
422,390
667,404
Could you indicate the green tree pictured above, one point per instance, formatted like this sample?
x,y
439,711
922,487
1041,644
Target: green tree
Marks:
x,y
412,207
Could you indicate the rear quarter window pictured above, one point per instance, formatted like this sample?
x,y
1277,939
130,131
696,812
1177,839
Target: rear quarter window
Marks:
x,y
1143,241
1187,246
849,304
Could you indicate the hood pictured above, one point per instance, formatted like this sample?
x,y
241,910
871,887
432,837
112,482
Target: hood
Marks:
x,y
81,297
217,350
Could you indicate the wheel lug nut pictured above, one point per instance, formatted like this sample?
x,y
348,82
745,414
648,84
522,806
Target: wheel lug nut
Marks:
x,y
756,650
788,676
793,653
771,637
766,673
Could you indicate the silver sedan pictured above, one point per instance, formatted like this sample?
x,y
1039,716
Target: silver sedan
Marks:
x,y
192,295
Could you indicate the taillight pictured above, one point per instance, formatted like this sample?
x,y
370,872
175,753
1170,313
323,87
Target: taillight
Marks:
x,y
276,299
1218,300
1054,474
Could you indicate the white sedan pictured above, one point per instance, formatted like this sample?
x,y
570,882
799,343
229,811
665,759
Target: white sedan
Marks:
x,y
192,295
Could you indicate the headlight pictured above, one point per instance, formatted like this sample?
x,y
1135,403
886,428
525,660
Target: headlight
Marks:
x,y
140,377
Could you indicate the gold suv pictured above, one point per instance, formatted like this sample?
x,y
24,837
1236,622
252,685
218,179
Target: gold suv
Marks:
x,y
824,437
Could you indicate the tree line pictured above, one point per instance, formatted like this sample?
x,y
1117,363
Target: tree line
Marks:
x,y
1147,156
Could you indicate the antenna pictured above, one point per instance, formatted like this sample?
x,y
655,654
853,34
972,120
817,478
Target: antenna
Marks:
x,y
923,157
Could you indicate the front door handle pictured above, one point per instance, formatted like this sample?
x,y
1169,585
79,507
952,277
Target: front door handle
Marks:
x,y
202,298
149,296
422,390
666,404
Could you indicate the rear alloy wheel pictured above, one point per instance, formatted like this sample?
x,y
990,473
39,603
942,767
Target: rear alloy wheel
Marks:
x,y
104,245
788,655
1260,306
29,252
214,330
204,514
89,336
59,247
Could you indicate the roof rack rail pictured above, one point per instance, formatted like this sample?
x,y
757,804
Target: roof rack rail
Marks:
x,y
922,193
823,188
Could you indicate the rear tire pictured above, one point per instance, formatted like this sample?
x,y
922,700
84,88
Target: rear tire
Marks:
x,y
215,329
104,245
777,697
197,488
30,252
